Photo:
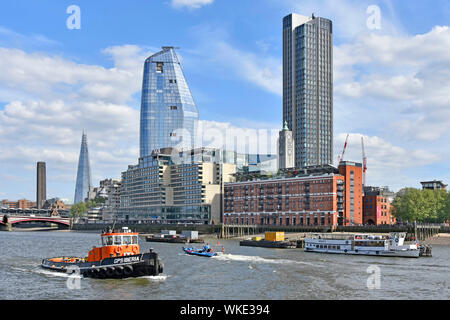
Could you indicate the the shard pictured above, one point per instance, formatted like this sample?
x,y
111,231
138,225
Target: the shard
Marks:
x,y
168,113
83,182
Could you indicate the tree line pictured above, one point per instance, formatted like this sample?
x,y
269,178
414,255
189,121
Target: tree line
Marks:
x,y
80,209
430,206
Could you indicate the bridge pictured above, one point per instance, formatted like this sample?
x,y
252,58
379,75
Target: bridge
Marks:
x,y
8,219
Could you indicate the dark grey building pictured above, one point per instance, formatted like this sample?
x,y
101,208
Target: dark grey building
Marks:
x,y
308,87
41,185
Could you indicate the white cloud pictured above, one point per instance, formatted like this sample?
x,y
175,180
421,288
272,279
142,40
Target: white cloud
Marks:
x,y
386,161
192,4
407,76
52,99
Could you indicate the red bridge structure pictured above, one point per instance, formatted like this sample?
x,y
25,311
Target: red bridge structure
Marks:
x,y
11,217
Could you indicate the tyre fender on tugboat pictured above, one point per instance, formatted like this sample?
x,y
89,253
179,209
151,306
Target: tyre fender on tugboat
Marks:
x,y
127,270
110,271
118,271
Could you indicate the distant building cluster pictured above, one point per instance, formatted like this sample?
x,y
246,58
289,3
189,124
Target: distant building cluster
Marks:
x,y
175,182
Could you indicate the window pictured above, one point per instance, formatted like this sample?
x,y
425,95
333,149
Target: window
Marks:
x,y
117,240
108,241
126,240
159,67
173,108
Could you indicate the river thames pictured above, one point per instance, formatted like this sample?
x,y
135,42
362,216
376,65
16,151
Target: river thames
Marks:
x,y
241,273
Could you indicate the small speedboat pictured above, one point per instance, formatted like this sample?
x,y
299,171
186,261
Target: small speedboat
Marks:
x,y
119,257
206,251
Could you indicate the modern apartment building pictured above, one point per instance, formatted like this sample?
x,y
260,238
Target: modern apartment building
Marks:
x,y
173,187
168,113
433,185
314,196
308,87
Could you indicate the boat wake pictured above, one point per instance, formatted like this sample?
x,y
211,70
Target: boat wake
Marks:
x,y
256,259
152,278
66,275
57,274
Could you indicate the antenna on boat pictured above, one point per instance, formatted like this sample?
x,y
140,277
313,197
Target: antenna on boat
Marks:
x,y
114,224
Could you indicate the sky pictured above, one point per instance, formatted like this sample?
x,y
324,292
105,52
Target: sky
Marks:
x,y
65,70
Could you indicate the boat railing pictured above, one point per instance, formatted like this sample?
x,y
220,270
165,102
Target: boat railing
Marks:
x,y
327,236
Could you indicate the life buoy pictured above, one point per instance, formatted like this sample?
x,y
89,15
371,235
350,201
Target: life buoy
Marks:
x,y
135,250
118,250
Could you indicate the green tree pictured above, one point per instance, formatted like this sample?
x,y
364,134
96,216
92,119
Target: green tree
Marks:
x,y
78,210
421,205
97,202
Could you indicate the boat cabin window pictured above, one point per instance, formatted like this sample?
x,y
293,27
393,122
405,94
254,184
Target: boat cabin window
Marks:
x,y
134,240
126,240
117,240
107,241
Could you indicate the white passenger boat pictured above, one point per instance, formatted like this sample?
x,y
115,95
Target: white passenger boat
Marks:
x,y
362,244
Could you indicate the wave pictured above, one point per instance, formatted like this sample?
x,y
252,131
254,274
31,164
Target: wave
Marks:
x,y
257,259
57,274
152,278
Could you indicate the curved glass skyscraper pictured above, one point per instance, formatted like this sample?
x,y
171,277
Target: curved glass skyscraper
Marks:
x,y
84,173
168,113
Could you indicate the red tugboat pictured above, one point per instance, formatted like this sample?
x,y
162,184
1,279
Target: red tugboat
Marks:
x,y
119,257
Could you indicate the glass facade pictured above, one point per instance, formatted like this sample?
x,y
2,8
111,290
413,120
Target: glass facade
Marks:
x,y
83,182
168,113
308,87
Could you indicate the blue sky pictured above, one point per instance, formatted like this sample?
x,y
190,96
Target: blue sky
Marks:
x,y
391,84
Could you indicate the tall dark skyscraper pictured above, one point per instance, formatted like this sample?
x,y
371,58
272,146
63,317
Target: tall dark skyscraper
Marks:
x,y
83,182
168,113
41,185
308,87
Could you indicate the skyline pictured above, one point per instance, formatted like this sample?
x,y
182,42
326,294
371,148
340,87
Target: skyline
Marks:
x,y
91,78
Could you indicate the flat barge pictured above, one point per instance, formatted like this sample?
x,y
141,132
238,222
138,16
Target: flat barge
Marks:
x,y
269,244
271,240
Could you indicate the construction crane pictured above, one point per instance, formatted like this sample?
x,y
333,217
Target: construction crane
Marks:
x,y
364,162
341,157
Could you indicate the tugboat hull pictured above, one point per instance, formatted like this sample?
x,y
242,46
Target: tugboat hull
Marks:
x,y
147,264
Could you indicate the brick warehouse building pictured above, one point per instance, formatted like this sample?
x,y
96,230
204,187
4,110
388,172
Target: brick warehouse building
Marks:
x,y
377,206
314,196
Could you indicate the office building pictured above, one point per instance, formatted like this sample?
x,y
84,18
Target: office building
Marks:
x,y
168,113
308,87
434,185
162,188
83,182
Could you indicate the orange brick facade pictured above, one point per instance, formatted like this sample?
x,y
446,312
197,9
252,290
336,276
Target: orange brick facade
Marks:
x,y
377,210
314,200
20,204
353,213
